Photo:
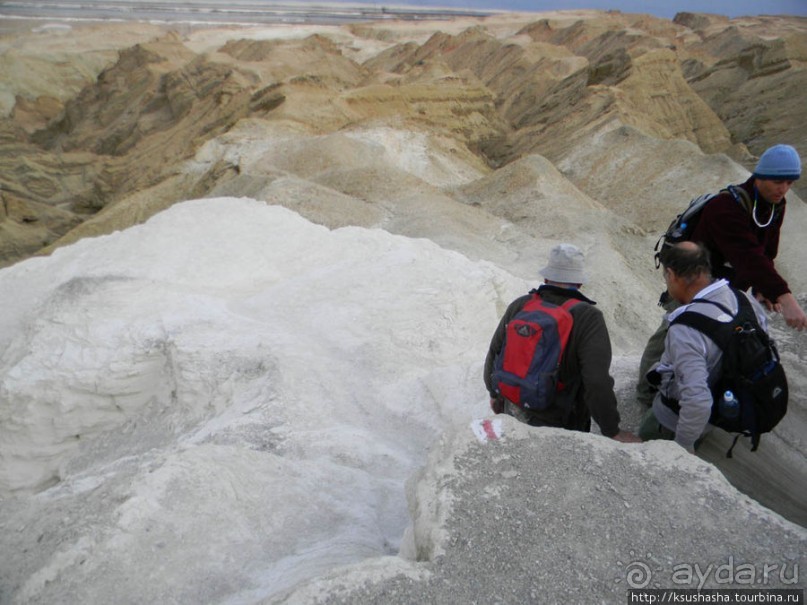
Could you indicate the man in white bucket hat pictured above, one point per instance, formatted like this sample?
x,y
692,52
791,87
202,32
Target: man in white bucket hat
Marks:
x,y
549,359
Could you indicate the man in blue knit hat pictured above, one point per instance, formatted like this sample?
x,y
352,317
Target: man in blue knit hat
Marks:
x,y
743,241
742,236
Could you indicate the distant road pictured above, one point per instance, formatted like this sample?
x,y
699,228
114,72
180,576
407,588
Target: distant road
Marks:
x,y
212,11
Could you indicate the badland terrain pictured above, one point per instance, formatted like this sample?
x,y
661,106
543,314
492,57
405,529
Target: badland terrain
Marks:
x,y
493,137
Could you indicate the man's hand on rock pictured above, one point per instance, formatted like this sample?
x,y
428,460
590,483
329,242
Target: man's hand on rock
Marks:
x,y
791,311
626,437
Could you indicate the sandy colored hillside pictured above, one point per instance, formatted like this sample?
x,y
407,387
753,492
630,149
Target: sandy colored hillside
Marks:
x,y
495,137
389,186
103,116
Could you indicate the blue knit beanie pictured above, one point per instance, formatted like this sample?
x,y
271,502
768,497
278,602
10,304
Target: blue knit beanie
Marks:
x,y
779,163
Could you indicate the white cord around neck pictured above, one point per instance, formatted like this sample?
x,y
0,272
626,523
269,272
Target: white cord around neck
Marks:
x,y
754,214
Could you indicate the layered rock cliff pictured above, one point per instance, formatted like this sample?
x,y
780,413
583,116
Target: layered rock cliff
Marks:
x,y
95,115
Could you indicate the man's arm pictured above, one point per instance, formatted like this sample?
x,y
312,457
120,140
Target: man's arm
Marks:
x,y
726,228
593,345
688,351
725,225
789,308
493,350
627,437
792,313
497,341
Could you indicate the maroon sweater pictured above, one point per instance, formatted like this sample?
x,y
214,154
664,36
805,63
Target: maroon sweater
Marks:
x,y
728,230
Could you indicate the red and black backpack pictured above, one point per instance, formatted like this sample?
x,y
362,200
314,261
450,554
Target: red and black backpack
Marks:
x,y
526,369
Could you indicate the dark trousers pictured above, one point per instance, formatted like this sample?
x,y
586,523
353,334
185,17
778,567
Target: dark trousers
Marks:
x,y
650,428
652,354
571,422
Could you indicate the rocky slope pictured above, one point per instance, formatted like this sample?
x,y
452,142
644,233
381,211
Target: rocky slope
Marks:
x,y
495,138
95,115
488,528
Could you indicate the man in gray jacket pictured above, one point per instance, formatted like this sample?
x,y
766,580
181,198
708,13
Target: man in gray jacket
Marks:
x,y
691,362
741,230
585,366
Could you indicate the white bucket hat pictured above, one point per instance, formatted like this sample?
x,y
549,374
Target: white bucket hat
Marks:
x,y
565,265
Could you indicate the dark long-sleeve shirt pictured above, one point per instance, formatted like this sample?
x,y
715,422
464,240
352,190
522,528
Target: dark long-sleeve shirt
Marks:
x,y
727,229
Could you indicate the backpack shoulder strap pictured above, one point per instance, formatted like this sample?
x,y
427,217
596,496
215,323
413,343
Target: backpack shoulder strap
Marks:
x,y
723,308
741,197
744,309
535,301
706,325
566,305
570,303
718,331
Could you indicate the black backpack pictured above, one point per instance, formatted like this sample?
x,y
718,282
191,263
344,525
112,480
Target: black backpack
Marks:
x,y
751,369
682,227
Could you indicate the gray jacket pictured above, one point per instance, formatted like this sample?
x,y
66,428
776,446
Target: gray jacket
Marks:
x,y
690,365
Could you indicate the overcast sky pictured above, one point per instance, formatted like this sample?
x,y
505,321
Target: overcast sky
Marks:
x,y
667,8
660,8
